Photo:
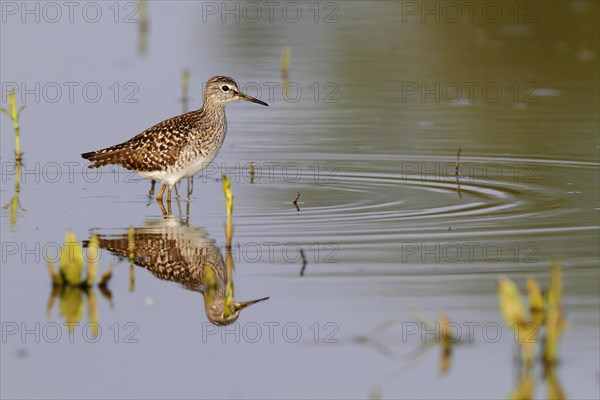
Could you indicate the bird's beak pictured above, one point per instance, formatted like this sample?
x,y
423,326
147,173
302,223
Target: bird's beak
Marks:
x,y
240,306
243,96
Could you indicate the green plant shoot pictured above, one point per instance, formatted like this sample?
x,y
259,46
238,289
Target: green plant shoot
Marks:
x,y
14,114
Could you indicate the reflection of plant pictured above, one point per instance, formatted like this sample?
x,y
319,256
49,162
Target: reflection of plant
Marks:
x,y
14,114
142,27
229,235
185,90
14,205
443,335
545,313
221,309
69,286
229,208
286,55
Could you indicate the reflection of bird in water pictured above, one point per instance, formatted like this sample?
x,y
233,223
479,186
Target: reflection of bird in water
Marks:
x,y
174,251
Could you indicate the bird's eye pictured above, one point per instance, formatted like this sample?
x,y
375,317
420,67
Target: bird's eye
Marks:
x,y
225,88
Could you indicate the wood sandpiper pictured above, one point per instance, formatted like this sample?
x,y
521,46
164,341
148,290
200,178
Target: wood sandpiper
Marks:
x,y
178,147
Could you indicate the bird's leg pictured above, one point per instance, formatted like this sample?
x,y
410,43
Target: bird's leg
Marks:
x,y
162,208
160,194
169,200
190,185
187,212
152,188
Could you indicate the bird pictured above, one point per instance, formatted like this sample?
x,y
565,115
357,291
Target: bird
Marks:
x,y
180,146
172,250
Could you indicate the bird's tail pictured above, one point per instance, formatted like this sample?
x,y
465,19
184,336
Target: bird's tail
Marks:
x,y
103,157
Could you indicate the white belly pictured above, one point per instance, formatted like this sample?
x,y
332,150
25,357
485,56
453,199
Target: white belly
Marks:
x,y
172,176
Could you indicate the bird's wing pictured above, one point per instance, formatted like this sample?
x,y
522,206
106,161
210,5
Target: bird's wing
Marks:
x,y
150,150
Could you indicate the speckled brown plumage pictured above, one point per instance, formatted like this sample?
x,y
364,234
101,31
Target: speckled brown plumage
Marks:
x,y
158,147
180,146
174,251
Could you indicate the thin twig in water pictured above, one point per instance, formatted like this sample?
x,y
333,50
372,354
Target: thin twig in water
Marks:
x,y
251,172
457,172
295,202
303,262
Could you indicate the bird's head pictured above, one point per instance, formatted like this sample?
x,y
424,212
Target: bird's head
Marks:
x,y
220,90
229,313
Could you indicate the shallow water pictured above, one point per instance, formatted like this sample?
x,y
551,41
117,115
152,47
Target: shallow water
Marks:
x,y
385,98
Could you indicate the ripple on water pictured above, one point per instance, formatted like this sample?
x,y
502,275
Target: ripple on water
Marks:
x,y
386,204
